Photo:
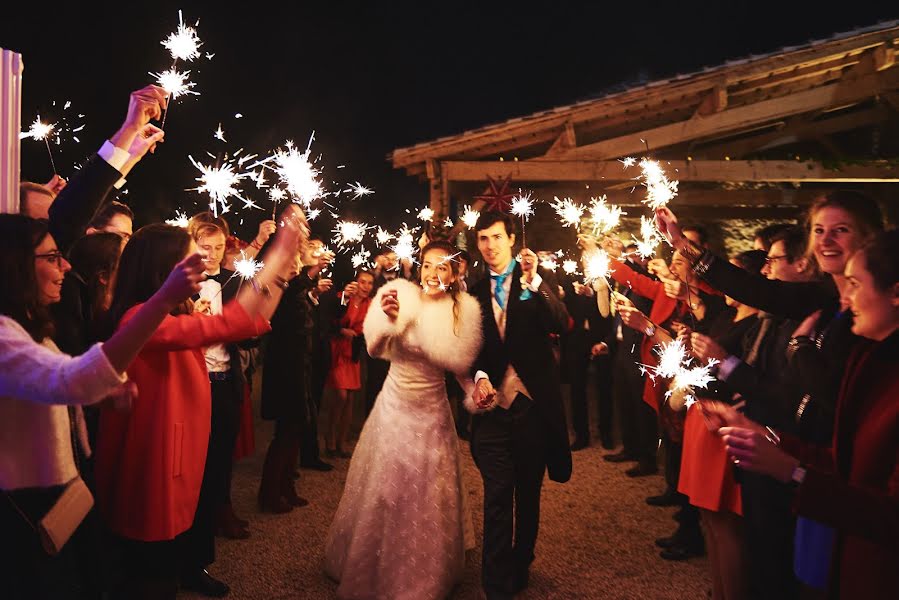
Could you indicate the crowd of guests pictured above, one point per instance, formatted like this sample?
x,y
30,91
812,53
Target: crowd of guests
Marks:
x,y
128,360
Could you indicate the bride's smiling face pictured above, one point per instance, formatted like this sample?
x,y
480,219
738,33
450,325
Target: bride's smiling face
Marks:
x,y
436,272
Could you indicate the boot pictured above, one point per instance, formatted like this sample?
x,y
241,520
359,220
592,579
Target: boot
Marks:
x,y
287,490
270,499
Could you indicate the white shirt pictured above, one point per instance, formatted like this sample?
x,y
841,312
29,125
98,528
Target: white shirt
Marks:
x,y
217,358
116,157
511,385
37,382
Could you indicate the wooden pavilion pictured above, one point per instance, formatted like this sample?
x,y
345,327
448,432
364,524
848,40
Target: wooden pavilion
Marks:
x,y
751,138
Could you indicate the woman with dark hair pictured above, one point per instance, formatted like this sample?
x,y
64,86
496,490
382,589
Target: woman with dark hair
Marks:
x,y
150,461
41,392
405,478
851,483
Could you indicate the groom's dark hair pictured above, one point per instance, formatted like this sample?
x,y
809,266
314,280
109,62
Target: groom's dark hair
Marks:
x,y
488,219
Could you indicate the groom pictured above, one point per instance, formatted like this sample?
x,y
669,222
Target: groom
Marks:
x,y
518,429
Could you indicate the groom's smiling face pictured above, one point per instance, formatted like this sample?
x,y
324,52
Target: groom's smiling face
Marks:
x,y
495,245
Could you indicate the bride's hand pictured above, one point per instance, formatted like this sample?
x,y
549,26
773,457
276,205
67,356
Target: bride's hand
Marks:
x,y
390,304
483,394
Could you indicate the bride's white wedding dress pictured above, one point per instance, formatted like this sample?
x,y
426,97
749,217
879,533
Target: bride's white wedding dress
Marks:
x,y
403,524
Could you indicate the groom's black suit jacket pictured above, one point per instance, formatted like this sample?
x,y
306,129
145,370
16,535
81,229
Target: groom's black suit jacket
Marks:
x,y
528,348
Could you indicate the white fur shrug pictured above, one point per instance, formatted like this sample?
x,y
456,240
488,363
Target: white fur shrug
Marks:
x,y
430,322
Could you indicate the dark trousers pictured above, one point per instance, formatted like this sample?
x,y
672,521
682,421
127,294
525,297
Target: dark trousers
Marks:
x,y
509,449
578,364
639,426
769,527
377,374
309,449
215,491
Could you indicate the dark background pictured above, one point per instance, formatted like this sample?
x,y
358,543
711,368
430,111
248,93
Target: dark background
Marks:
x,y
367,78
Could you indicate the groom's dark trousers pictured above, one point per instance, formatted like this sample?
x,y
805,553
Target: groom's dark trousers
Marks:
x,y
511,456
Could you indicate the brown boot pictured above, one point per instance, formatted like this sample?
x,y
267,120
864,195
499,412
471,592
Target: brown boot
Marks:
x,y
270,499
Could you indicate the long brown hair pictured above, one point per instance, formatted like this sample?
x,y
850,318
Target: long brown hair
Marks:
x,y
20,298
148,258
453,290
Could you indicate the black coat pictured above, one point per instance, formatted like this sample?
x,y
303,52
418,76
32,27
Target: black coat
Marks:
x,y
528,348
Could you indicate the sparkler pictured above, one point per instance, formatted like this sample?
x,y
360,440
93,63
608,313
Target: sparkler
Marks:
x,y
360,258
298,173
675,364
549,264
220,183
649,238
220,134
180,220
312,213
183,43
470,217
605,217
246,267
426,214
628,161
276,195
41,131
175,83
596,266
405,246
659,190
349,232
570,267
569,212
383,236
358,190
522,206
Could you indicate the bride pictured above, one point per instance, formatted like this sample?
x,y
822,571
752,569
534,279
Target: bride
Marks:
x,y
403,524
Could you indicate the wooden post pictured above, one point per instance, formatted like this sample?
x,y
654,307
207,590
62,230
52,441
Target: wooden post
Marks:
x,y
11,67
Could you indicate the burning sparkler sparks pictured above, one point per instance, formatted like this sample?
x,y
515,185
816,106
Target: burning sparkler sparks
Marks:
x,y
628,161
649,238
349,232
175,83
220,183
659,190
570,267
38,131
596,266
522,206
180,220
405,247
220,134
360,258
426,214
569,212
299,173
358,190
549,264
605,217
183,43
383,236
470,217
675,364
246,267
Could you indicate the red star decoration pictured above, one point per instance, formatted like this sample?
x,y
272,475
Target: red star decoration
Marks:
x,y
497,196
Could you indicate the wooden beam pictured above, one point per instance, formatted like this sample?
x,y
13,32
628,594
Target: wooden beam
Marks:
x,y
714,102
884,57
737,148
566,140
695,84
696,170
828,96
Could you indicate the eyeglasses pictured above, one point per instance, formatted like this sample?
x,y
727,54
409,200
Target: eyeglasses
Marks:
x,y
771,259
55,258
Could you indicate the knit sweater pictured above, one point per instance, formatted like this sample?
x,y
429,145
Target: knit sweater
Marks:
x,y
37,382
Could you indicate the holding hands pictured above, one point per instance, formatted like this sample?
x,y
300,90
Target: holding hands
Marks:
x,y
484,395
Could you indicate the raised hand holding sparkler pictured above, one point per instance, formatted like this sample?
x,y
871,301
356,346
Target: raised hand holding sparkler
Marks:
x,y
144,105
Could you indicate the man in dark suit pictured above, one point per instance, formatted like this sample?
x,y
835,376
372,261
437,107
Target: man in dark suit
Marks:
x,y
519,428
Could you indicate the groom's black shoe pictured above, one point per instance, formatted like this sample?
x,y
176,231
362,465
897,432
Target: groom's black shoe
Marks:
x,y
205,584
316,465
669,498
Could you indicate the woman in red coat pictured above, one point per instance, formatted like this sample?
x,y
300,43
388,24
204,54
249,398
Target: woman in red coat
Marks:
x,y
854,484
150,461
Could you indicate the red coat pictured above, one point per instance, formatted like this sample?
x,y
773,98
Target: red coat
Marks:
x,y
662,309
854,486
150,460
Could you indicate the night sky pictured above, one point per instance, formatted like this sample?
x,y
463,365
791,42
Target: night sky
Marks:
x,y
368,78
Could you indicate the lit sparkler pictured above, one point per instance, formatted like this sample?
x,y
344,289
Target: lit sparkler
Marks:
x,y
628,161
383,236
405,247
659,190
246,267
312,213
220,183
570,267
219,134
569,212
360,258
298,173
183,43
605,217
41,131
180,220
549,264
596,266
175,83
426,214
522,206
358,190
349,232
470,217
649,238
675,364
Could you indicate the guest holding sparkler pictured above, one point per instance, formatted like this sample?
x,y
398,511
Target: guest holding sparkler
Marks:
x,y
346,348
851,482
838,224
150,462
40,439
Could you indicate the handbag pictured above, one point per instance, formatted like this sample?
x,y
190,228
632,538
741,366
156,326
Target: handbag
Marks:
x,y
67,513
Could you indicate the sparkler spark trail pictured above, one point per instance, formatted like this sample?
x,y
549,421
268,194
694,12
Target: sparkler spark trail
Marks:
x,y
659,190
426,214
596,266
470,217
183,43
358,190
220,183
41,131
605,217
550,264
246,267
628,161
175,83
405,247
360,258
570,267
675,364
649,238
180,220
569,212
383,237
298,173
522,206
312,213
349,232
220,134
